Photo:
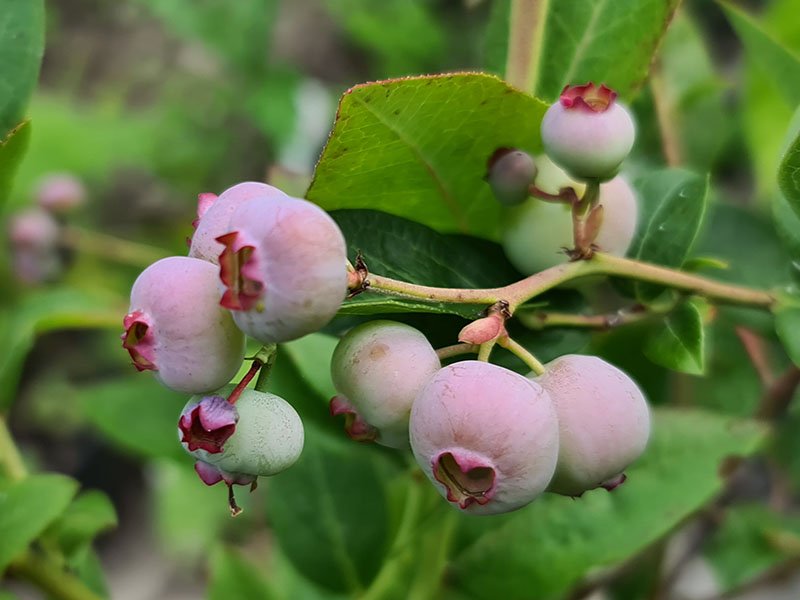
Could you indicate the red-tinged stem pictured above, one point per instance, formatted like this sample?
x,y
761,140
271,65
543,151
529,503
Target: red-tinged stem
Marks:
x,y
248,377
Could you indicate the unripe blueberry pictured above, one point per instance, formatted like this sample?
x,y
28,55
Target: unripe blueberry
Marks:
x,y
60,193
604,421
484,437
214,216
536,232
379,368
587,132
284,268
510,174
177,328
34,235
260,435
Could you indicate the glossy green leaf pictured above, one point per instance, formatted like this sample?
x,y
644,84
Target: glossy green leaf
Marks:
x,y
673,204
679,345
235,577
782,66
329,512
90,514
27,508
12,149
751,541
136,413
789,175
418,148
590,40
21,49
556,541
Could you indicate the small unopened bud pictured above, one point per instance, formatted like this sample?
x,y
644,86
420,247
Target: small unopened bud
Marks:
x,y
510,174
483,330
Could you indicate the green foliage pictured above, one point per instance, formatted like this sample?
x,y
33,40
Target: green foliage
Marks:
x,y
12,149
787,324
555,541
329,512
680,344
418,148
233,576
21,48
89,514
27,508
587,40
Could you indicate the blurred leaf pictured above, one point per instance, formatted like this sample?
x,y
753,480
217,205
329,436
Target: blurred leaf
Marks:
x,y
138,414
692,93
12,149
590,40
782,66
679,345
402,37
189,515
90,514
673,203
312,355
396,247
302,380
418,148
787,325
552,544
27,508
329,512
751,540
789,175
39,313
21,49
235,578
89,569
288,584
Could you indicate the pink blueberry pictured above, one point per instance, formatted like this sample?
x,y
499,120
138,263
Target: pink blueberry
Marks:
x,y
283,268
379,368
511,172
60,193
485,437
604,421
587,132
176,327
34,235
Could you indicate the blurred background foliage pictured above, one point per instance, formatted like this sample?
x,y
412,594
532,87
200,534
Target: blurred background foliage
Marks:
x,y
150,102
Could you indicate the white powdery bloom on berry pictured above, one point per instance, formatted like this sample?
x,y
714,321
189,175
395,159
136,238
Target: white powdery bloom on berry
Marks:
x,y
284,268
587,132
176,327
379,369
604,421
485,437
510,174
214,216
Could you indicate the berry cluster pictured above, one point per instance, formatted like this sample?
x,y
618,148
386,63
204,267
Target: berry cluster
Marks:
x,y
189,315
265,265
36,234
489,439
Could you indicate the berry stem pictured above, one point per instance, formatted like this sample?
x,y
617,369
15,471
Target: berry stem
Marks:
x,y
267,356
521,291
522,353
111,247
526,25
485,350
457,350
248,377
541,319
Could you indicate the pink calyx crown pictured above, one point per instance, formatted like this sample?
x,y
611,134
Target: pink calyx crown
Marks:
x,y
139,341
239,271
587,97
469,478
208,424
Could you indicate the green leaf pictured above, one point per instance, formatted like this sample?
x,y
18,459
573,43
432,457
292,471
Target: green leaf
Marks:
x,y
235,577
789,175
312,355
136,413
751,541
39,313
402,249
90,514
782,66
21,49
679,345
418,148
673,204
556,541
27,508
787,325
12,149
609,41
329,512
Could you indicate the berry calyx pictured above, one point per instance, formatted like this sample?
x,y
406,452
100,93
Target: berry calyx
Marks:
x,y
587,132
207,425
486,439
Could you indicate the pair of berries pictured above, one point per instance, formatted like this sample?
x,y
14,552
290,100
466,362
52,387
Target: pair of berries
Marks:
x,y
489,439
261,264
586,136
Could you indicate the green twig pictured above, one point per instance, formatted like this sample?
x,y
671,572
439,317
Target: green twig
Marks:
x,y
50,578
525,37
